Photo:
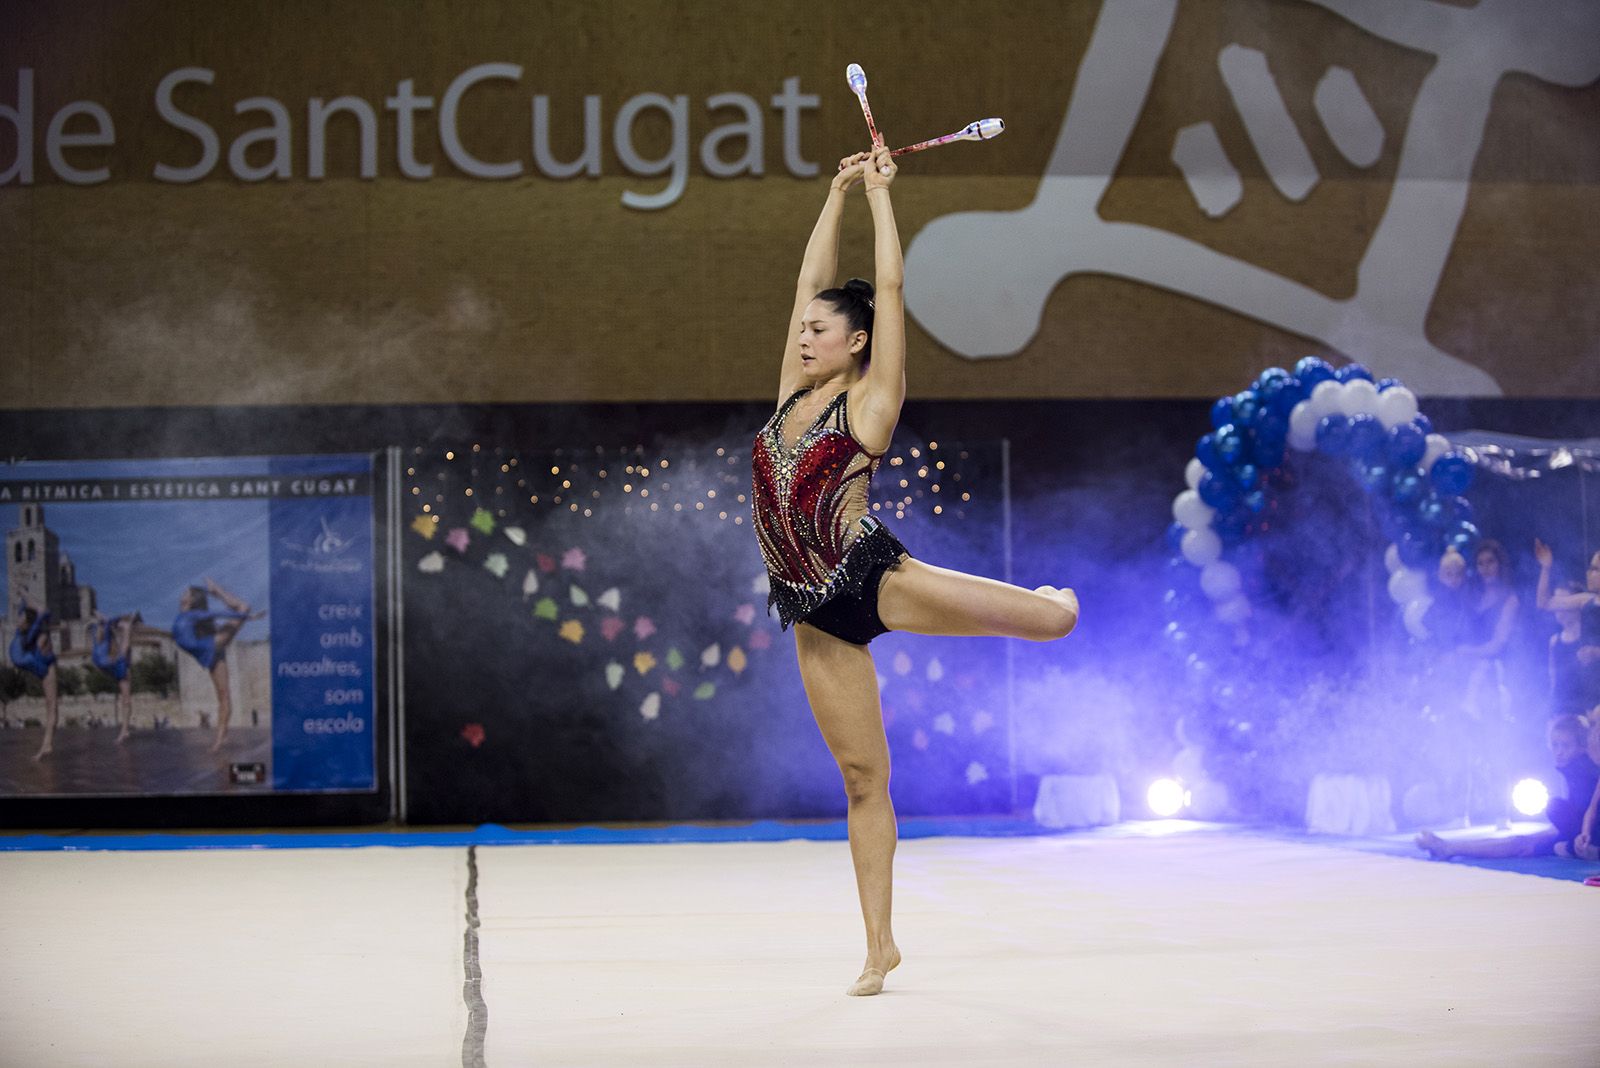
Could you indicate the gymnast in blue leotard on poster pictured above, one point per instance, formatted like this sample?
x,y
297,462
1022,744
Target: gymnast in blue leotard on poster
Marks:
x,y
31,651
206,635
113,648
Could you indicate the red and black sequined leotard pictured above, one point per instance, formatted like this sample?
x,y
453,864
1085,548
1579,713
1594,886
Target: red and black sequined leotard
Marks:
x,y
806,502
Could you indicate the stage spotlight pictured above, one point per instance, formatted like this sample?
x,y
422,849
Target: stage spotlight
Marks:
x,y
1166,797
1530,797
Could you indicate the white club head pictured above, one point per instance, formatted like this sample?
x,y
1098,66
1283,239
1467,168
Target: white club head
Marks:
x,y
856,77
984,129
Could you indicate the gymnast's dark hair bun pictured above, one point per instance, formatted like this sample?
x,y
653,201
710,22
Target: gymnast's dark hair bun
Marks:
x,y
853,300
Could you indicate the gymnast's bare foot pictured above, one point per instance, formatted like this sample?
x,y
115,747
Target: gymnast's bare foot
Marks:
x,y
872,976
123,737
1437,847
44,750
222,736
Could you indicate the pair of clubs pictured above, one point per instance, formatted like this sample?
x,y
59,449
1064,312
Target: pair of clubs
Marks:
x,y
982,130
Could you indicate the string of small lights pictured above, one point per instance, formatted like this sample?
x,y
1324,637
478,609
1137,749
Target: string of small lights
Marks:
x,y
712,481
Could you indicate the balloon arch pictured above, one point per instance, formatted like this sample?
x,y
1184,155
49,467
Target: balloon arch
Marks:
x,y
1411,473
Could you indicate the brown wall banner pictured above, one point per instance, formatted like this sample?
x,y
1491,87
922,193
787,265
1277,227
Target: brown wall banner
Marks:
x,y
311,202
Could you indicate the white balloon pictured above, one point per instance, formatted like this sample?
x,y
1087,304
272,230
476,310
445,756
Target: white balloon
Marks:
x,y
1234,611
1391,558
1220,580
1325,399
1358,397
1438,445
1192,473
1303,426
1414,613
1201,546
1407,585
1396,405
1191,511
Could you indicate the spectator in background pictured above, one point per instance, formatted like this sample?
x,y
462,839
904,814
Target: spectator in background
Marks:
x,y
1585,602
1587,845
1446,617
1490,624
1567,815
1570,690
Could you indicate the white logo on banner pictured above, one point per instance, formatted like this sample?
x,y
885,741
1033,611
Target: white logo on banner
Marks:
x,y
322,555
978,281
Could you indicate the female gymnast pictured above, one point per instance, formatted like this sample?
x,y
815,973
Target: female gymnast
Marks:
x,y
113,646
838,574
31,651
206,635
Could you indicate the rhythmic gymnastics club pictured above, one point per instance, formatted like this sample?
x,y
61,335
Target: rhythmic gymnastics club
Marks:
x,y
857,78
982,130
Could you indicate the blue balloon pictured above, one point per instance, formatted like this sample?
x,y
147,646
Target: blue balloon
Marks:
x,y
1175,633
1375,477
1230,526
1451,474
1458,508
1271,374
1255,502
1367,436
1433,511
1221,412
1388,383
1199,668
1311,370
1246,408
1217,490
1405,445
1461,535
1231,444
1333,435
1407,486
1246,476
1205,450
1352,371
1268,451
1422,423
1281,395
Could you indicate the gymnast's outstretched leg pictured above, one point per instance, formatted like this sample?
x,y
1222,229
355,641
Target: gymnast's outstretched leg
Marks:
x,y
842,686
924,599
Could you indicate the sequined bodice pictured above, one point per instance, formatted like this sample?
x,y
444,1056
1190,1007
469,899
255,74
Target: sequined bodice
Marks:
x,y
806,499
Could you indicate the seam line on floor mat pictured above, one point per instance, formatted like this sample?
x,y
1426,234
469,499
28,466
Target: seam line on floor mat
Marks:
x,y
472,984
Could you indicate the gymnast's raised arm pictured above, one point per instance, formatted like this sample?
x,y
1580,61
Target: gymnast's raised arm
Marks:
x,y
882,389
818,269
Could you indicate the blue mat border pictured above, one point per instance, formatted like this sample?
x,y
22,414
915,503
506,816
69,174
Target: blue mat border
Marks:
x,y
494,834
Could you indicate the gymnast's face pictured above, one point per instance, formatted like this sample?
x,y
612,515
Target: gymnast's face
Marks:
x,y
828,346
186,600
1488,566
1594,573
1564,746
